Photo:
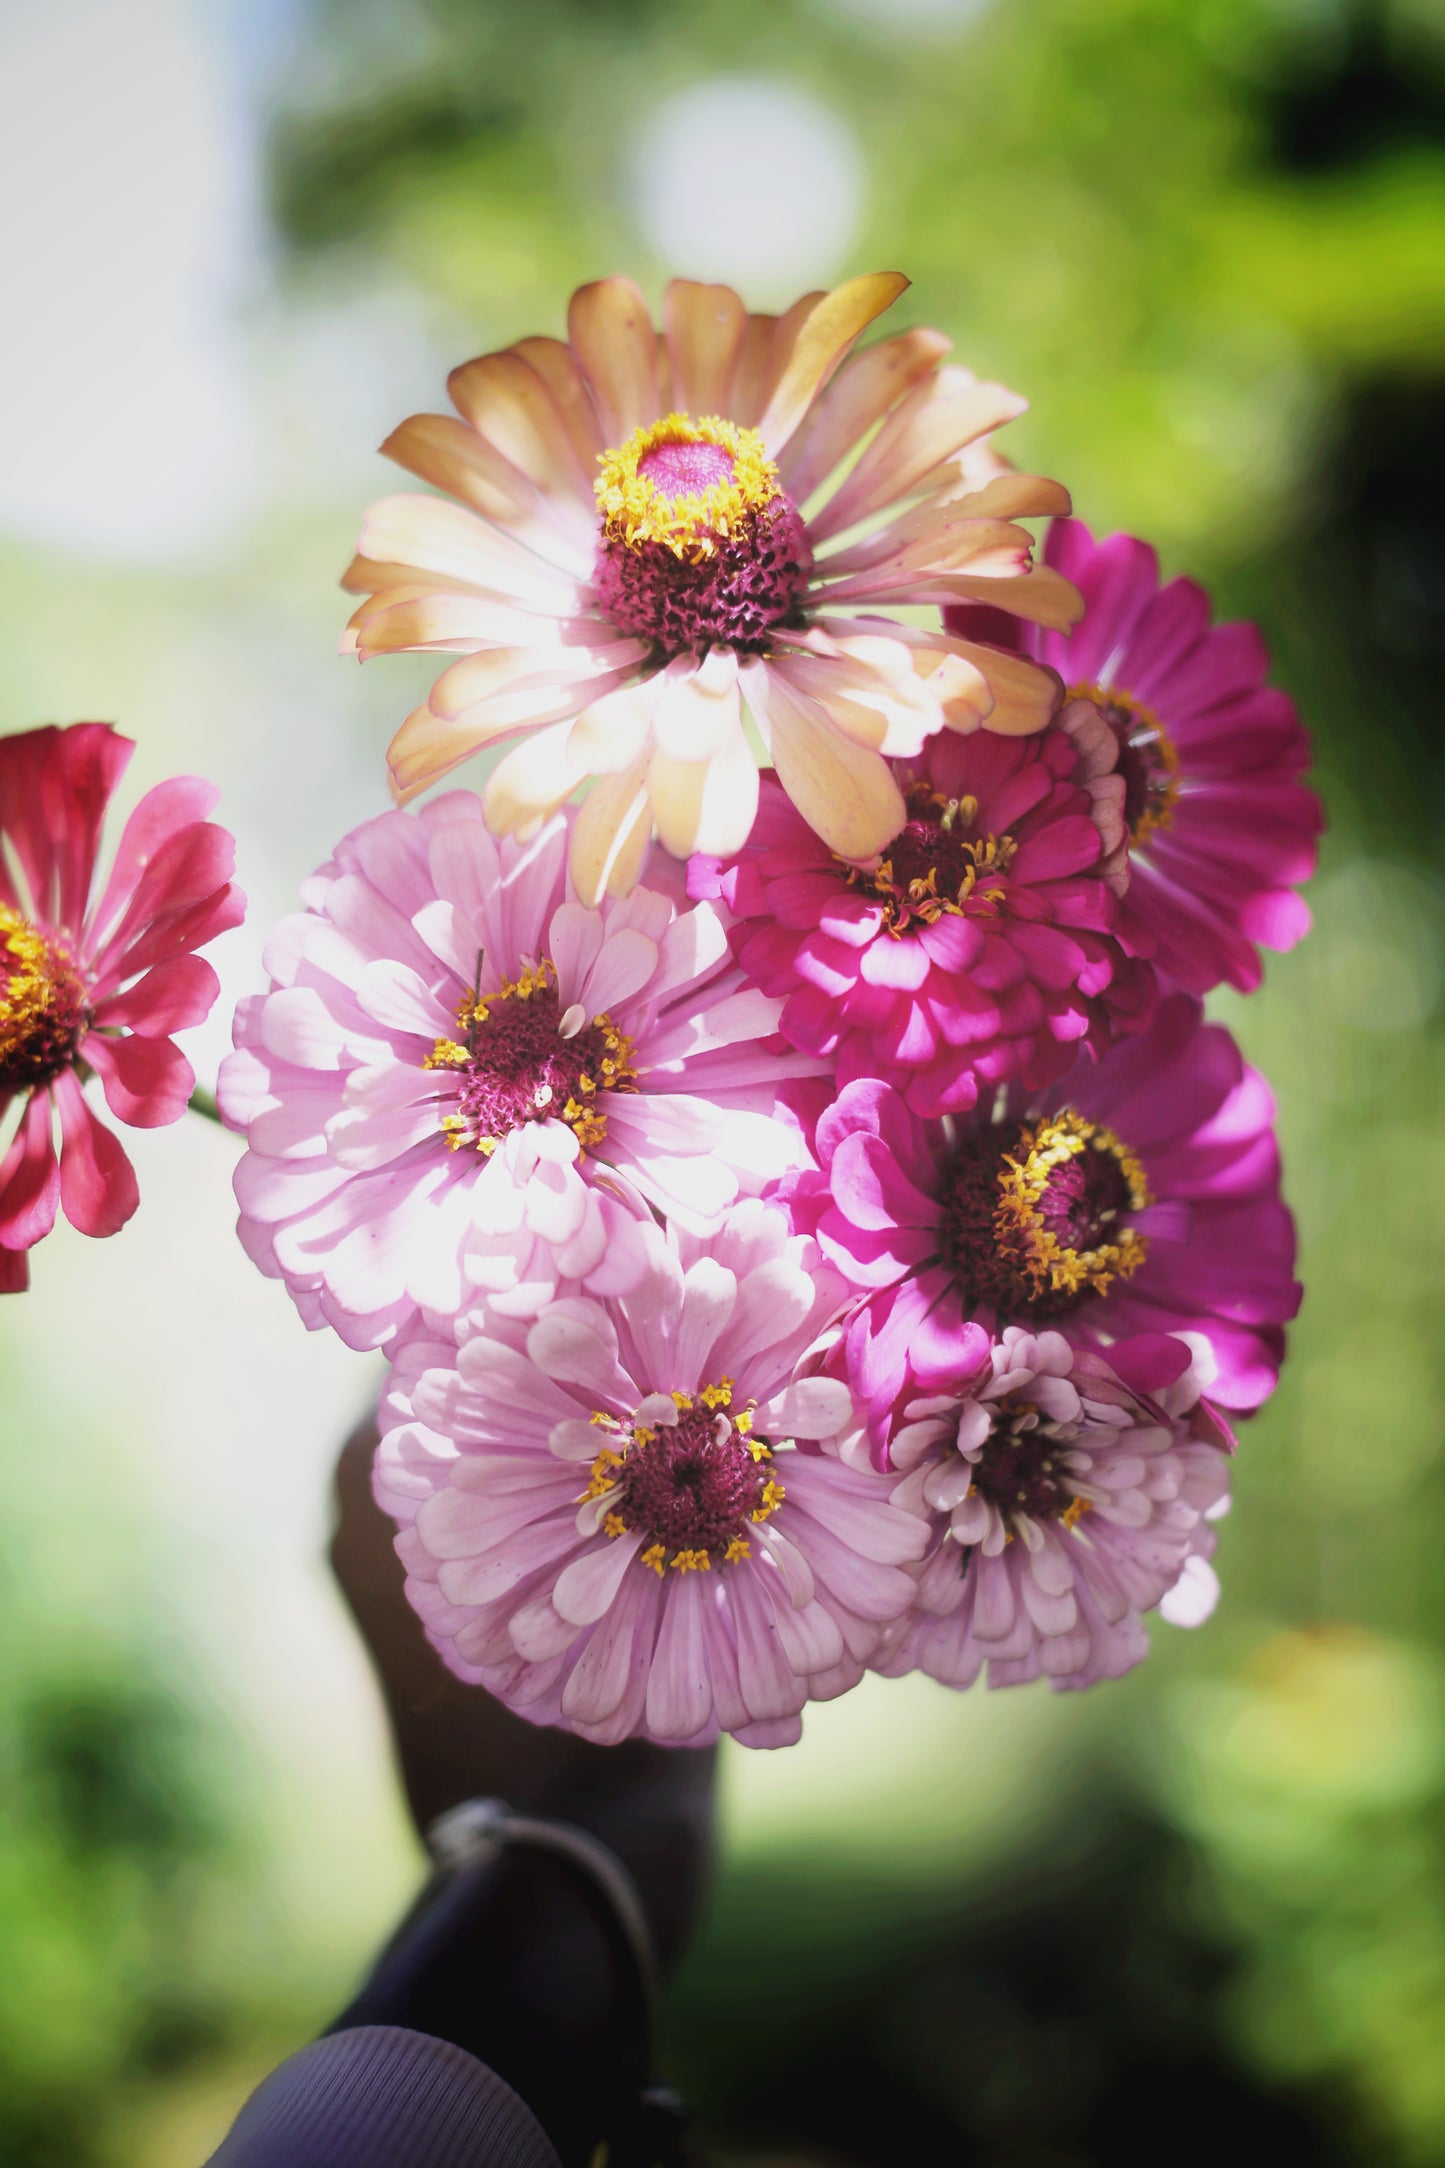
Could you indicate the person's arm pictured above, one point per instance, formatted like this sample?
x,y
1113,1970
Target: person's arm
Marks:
x,y
521,1982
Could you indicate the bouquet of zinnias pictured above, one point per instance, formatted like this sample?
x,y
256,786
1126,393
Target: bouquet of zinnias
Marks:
x,y
809,1223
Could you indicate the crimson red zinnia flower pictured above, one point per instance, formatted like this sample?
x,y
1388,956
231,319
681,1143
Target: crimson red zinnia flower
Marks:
x,y
95,987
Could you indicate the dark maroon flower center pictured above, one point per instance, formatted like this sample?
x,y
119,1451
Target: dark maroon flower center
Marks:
x,y
44,1014
521,1060
1034,1216
938,862
751,583
1147,759
1022,1468
693,1489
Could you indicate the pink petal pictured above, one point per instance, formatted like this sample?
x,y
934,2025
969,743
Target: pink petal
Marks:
x,y
679,1694
171,997
147,1082
29,1180
162,813
97,1182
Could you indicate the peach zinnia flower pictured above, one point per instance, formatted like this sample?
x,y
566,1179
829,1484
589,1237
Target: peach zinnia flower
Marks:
x,y
630,562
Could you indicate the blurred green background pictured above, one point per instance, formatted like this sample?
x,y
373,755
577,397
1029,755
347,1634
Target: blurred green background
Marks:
x,y
242,238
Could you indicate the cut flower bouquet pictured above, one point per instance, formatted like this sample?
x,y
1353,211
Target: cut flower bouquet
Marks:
x,y
772,1134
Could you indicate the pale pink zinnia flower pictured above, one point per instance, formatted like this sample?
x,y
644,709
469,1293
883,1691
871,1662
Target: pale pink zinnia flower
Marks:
x,y
95,985
461,1079
1073,1493
629,1518
631,562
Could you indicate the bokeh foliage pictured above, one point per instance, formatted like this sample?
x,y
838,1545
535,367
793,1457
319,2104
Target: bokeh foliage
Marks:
x,y
1209,243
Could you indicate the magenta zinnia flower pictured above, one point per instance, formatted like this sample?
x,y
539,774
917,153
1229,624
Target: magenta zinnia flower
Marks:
x,y
1072,1494
95,985
1138,1195
628,1518
463,1080
630,562
978,946
1222,830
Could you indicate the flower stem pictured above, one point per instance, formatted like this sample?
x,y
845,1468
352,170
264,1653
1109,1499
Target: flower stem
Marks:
x,y
204,1102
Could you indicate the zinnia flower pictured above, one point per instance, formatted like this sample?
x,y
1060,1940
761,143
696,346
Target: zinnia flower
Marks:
x,y
462,1079
1073,1493
628,1517
978,946
95,986
630,562
1138,1195
1222,831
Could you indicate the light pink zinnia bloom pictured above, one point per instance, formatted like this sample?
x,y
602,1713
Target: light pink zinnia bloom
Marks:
x,y
1074,1493
1222,830
95,985
461,1079
628,1518
630,563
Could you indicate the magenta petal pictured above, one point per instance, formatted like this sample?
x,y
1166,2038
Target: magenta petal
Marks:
x,y
950,1351
97,1182
902,965
810,1020
95,758
841,915
914,1041
873,1191
147,1082
187,869
1116,578
1276,920
1229,662
29,1180
55,785
160,815
173,933
1149,1361
953,943
171,997
1170,627
864,1104
1066,846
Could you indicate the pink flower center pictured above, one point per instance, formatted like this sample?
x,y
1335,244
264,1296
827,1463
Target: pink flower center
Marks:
x,y
683,469
521,1059
692,1488
1033,1216
1147,760
1023,1468
938,863
43,1010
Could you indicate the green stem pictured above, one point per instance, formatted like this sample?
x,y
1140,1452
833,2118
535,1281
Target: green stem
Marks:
x,y
204,1102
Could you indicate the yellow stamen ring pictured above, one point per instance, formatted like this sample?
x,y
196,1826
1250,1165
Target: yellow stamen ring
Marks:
x,y
608,1050
608,1481
1142,735
42,1002
1049,1266
636,511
